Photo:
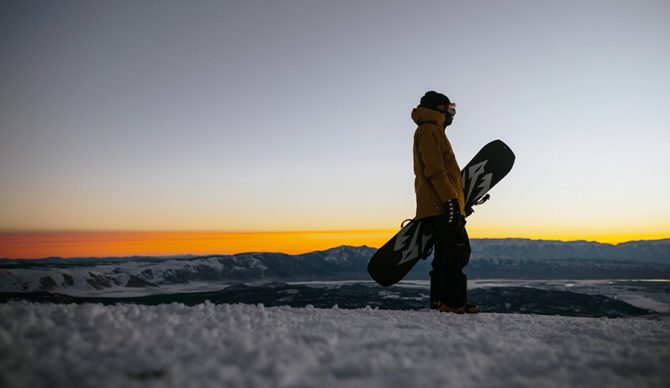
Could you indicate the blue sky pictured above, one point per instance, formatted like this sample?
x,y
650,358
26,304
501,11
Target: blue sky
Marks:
x,y
295,115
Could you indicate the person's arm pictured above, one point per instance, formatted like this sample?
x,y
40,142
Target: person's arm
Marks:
x,y
434,168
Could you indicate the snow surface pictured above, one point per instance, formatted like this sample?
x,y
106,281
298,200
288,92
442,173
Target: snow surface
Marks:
x,y
207,345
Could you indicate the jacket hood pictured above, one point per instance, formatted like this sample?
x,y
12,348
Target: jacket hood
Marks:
x,y
422,115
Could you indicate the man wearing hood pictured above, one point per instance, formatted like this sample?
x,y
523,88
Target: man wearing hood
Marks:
x,y
440,203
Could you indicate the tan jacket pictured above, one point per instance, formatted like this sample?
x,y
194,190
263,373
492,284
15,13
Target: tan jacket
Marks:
x,y
437,175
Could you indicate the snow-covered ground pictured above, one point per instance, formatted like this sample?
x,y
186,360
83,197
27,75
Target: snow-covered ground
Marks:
x,y
207,345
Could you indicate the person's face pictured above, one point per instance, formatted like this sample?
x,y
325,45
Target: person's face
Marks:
x,y
449,111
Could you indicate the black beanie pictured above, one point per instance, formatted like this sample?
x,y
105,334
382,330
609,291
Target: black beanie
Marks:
x,y
432,99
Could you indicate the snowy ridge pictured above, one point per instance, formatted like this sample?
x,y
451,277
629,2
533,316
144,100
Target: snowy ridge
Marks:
x,y
142,273
207,345
637,251
508,258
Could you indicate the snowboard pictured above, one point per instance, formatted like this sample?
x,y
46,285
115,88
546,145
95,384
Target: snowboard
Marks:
x,y
396,258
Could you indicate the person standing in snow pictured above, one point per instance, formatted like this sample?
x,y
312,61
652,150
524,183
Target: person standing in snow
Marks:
x,y
440,203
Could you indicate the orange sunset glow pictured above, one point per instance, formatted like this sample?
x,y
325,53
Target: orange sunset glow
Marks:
x,y
164,243
105,244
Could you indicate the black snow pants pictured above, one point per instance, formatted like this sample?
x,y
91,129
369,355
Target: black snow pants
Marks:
x,y
448,283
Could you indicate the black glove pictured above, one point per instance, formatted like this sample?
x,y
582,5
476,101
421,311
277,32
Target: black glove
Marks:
x,y
454,216
469,210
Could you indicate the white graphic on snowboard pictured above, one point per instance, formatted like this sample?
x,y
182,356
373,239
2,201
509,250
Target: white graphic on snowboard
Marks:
x,y
412,250
473,173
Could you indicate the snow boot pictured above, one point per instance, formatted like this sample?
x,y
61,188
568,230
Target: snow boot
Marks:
x,y
469,308
443,308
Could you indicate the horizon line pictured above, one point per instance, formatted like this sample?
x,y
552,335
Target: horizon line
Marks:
x,y
36,245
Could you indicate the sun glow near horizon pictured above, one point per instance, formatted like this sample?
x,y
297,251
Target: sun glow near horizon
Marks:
x,y
68,244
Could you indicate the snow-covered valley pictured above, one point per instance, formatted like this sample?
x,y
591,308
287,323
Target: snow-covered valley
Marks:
x,y
495,259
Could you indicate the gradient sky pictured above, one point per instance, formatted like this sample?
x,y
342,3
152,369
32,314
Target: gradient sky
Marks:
x,y
295,115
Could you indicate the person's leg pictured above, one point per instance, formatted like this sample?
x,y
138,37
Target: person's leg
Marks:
x,y
439,273
457,257
436,274
451,255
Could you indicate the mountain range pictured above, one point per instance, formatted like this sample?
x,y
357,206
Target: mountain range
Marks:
x,y
653,251
491,258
